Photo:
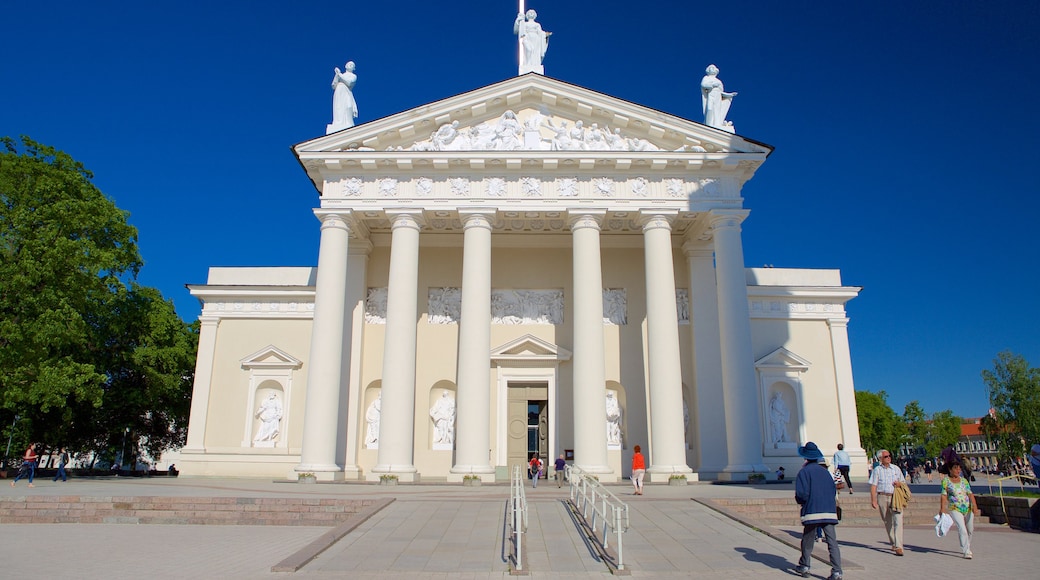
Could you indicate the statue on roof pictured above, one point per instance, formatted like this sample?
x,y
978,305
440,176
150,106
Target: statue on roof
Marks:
x,y
533,42
715,101
344,107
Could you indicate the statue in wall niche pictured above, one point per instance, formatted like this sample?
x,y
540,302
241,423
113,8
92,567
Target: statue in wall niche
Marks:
x,y
344,107
443,415
270,415
685,421
779,416
372,419
613,419
533,40
715,101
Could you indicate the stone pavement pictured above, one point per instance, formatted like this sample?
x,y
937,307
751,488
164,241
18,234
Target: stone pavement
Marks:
x,y
450,531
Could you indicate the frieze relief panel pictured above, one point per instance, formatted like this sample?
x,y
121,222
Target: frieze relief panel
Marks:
x,y
265,309
526,307
784,308
640,189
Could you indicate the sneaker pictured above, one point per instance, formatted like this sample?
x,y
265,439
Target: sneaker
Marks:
x,y
968,556
802,571
834,576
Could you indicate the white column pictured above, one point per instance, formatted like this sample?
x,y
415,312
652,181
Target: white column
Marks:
x,y
707,358
324,377
849,420
198,415
743,416
397,421
590,390
350,439
667,438
473,423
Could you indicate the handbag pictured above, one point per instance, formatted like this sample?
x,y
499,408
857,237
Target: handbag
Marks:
x,y
838,509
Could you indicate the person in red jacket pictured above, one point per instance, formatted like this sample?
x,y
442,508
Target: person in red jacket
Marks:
x,y
28,468
638,469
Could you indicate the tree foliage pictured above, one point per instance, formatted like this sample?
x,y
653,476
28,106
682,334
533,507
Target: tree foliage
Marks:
x,y
1014,395
84,351
879,426
916,422
944,429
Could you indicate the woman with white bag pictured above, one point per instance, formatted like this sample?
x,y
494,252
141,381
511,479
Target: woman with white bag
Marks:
x,y
957,496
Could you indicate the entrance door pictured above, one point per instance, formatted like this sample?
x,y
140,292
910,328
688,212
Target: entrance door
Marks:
x,y
528,423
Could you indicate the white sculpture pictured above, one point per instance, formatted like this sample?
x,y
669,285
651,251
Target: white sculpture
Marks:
x,y
685,421
443,415
444,305
372,419
779,416
715,101
533,42
527,307
507,133
375,305
344,107
270,415
613,420
615,306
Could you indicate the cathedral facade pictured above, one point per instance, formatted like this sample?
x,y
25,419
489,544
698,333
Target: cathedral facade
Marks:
x,y
529,268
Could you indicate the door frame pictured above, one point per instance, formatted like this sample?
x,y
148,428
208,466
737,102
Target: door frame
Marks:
x,y
526,376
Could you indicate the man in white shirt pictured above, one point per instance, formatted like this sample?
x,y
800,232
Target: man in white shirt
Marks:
x,y
843,462
883,481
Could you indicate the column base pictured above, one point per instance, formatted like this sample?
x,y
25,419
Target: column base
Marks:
x,y
662,473
486,473
404,473
322,472
602,472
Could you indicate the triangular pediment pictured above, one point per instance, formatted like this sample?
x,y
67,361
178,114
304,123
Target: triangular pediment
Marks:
x,y
529,348
782,358
271,357
568,119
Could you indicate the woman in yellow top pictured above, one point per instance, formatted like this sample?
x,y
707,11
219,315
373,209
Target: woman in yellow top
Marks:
x,y
638,469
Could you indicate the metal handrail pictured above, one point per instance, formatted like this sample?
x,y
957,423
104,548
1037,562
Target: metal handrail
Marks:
x,y
588,494
518,514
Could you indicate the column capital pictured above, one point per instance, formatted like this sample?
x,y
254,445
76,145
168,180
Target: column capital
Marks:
x,y
406,218
837,322
652,220
338,219
721,219
591,218
698,248
477,217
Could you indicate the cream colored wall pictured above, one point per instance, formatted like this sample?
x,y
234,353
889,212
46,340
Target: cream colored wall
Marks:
x,y
229,396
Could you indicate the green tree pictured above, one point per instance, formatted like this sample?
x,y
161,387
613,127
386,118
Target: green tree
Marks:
x,y
916,424
83,349
1014,395
879,426
944,429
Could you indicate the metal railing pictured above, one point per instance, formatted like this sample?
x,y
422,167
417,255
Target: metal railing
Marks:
x,y
517,514
591,498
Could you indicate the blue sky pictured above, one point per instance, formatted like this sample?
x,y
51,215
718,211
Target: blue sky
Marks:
x,y
905,136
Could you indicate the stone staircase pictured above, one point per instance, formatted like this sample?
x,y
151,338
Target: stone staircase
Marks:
x,y
182,510
856,510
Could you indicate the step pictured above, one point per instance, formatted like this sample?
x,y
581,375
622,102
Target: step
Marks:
x,y
180,510
856,510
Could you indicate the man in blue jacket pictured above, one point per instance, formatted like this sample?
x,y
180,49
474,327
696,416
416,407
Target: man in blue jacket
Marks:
x,y
814,490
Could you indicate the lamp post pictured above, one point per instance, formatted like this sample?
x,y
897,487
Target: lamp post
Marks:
x,y
122,453
9,436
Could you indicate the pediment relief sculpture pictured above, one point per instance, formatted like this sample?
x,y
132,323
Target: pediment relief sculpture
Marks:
x,y
536,132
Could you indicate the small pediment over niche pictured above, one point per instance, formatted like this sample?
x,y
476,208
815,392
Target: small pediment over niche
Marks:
x,y
271,357
532,113
529,348
784,359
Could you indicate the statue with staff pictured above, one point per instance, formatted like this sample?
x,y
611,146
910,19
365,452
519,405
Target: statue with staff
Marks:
x,y
533,41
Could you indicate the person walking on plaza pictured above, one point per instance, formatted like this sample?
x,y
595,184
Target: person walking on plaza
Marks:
x,y
1034,461
535,469
28,468
842,463
958,498
561,468
815,491
638,469
63,460
884,480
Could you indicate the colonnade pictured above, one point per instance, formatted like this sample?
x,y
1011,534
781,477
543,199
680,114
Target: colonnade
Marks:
x,y
719,315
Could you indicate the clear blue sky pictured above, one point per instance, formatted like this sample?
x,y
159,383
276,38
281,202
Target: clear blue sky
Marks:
x,y
905,135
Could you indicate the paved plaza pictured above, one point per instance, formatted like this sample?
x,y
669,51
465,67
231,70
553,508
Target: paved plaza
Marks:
x,y
450,531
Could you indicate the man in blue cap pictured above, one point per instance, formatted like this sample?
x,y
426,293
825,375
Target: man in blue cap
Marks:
x,y
814,490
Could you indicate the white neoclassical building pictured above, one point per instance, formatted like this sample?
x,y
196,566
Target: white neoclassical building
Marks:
x,y
531,267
